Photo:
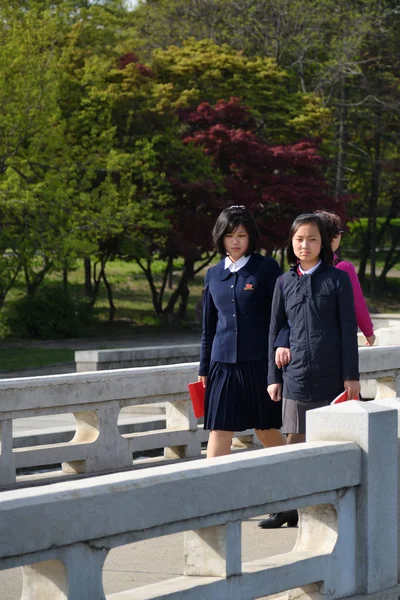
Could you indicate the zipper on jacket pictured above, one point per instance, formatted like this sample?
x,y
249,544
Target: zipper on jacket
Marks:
x,y
307,333
236,313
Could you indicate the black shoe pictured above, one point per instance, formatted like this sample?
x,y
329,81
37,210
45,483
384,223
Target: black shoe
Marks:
x,y
275,521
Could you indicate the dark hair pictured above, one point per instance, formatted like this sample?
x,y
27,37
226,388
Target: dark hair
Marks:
x,y
332,223
326,254
228,221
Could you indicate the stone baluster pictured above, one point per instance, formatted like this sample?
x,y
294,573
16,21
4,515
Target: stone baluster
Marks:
x,y
388,387
214,551
77,574
7,458
106,448
395,403
374,429
179,415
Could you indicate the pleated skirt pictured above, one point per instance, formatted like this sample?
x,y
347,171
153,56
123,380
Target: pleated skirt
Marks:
x,y
236,398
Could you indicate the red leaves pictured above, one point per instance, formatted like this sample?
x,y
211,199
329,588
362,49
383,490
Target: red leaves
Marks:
x,y
230,114
129,58
276,182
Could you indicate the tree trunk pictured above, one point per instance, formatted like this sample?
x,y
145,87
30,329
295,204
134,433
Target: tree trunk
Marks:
x,y
282,259
376,172
65,279
181,291
182,309
96,280
342,140
392,257
112,309
88,277
364,257
156,297
170,276
9,285
32,285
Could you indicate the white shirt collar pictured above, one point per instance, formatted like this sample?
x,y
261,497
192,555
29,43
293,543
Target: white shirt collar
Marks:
x,y
235,266
314,268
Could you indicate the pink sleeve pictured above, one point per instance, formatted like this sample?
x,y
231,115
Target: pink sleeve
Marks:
x,y
362,315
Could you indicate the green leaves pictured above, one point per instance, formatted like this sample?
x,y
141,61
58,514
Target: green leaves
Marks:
x,y
202,71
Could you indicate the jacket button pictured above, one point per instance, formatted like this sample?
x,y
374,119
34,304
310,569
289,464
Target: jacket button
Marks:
x,y
233,315
231,286
235,330
232,300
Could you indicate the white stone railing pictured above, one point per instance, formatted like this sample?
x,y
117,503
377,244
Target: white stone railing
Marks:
x,y
344,481
381,365
123,358
97,398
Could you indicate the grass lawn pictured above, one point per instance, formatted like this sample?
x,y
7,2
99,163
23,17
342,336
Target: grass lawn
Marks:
x,y
385,300
15,359
131,294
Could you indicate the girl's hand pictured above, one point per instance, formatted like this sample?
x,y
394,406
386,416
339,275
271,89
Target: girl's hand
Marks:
x,y
353,389
275,391
282,357
203,379
370,340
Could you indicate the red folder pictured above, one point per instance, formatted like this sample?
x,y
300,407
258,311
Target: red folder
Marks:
x,y
341,398
197,393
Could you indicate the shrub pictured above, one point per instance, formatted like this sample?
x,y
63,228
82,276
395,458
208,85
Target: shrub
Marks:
x,y
51,313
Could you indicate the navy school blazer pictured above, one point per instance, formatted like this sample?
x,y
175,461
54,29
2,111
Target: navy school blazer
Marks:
x,y
236,312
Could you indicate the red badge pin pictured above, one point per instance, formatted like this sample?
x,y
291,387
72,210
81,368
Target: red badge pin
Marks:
x,y
248,286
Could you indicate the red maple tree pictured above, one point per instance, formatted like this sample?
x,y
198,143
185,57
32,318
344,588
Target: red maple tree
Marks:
x,y
276,183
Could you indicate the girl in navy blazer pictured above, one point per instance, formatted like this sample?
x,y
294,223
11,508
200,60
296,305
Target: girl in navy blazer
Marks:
x,y
234,348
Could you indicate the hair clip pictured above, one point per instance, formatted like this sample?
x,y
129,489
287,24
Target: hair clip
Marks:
x,y
236,206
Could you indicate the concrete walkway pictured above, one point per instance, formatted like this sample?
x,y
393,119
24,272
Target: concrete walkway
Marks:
x,y
158,559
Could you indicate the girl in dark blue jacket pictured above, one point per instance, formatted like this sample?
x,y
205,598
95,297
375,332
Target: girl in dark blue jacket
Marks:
x,y
234,349
317,301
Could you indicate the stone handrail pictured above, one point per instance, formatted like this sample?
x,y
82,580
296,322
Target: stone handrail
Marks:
x,y
122,358
345,545
97,398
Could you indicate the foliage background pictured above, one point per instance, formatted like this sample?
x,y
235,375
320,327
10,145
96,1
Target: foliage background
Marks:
x,y
125,130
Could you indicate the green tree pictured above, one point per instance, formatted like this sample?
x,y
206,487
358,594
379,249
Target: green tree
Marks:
x,y
202,71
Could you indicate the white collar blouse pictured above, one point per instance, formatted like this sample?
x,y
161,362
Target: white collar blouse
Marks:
x,y
235,266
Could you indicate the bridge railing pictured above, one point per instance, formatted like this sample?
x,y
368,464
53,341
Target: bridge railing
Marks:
x,y
344,481
97,398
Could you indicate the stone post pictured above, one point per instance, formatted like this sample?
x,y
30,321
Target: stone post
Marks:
x,y
47,579
214,551
395,404
7,458
388,387
374,429
179,415
106,449
76,575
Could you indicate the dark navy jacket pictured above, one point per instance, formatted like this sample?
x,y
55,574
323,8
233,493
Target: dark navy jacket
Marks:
x,y
323,333
236,312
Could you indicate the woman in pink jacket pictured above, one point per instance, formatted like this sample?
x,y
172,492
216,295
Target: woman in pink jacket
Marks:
x,y
334,228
